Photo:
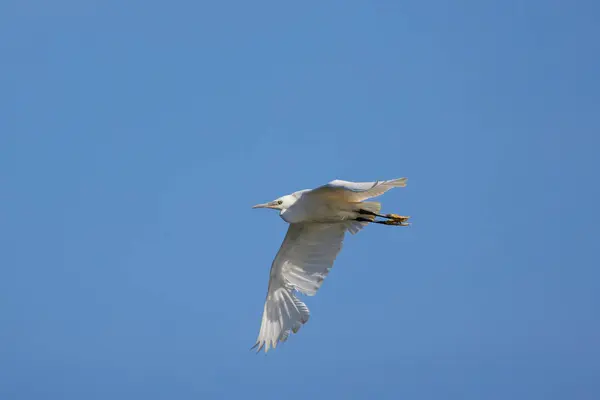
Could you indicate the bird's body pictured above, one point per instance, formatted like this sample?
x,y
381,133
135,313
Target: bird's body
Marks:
x,y
311,208
319,219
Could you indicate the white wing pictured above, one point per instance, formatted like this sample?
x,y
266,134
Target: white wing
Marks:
x,y
303,261
357,191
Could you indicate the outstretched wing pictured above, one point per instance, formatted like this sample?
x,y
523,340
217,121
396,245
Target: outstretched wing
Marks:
x,y
356,191
303,261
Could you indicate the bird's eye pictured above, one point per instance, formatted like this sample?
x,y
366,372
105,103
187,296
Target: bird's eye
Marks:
x,y
280,202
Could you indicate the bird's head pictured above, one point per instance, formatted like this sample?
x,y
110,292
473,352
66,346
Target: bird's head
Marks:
x,y
281,203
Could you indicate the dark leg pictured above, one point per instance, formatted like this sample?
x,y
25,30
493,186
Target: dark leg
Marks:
x,y
393,222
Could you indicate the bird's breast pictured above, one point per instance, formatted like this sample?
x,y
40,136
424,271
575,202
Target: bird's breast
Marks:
x,y
293,215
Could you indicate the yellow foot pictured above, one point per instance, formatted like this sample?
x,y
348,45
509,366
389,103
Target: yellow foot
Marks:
x,y
396,222
397,217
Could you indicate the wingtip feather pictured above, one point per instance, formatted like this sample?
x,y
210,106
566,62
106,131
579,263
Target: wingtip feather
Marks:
x,y
400,182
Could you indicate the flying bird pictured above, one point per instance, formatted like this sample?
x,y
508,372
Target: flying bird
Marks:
x,y
318,220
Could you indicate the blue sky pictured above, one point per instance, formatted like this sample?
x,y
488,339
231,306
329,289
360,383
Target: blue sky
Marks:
x,y
135,136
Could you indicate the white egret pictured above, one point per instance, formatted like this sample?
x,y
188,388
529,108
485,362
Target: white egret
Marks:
x,y
319,219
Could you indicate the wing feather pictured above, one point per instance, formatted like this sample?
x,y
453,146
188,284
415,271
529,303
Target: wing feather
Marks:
x,y
302,263
357,191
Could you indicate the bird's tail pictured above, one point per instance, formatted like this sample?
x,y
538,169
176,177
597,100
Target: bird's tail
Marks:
x,y
372,206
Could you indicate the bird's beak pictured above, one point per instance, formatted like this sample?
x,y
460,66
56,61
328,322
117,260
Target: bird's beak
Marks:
x,y
266,205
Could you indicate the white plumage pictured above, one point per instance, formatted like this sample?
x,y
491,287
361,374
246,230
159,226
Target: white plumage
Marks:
x,y
319,219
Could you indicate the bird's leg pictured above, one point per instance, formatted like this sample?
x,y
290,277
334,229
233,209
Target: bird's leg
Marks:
x,y
393,222
394,217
